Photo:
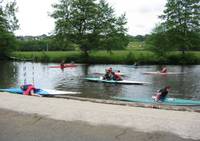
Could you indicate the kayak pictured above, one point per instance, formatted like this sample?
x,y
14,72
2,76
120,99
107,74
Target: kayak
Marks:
x,y
167,101
65,66
116,82
42,92
161,73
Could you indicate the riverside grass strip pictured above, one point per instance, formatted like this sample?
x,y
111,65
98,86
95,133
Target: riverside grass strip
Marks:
x,y
115,57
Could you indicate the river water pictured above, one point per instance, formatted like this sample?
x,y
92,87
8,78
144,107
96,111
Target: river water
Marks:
x,y
187,85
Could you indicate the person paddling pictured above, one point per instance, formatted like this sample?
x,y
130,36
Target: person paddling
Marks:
x,y
164,70
109,74
118,72
62,64
162,94
117,77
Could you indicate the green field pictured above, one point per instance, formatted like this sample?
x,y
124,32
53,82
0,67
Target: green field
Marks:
x,y
115,57
135,52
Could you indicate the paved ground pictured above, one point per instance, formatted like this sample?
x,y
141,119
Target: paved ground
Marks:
x,y
26,118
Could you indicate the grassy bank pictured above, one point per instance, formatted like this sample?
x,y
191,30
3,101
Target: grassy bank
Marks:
x,y
116,57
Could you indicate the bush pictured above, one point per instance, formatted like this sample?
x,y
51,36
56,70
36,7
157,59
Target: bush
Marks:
x,y
183,59
130,58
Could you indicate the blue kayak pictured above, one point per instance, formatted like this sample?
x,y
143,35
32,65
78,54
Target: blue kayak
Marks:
x,y
20,91
42,92
116,82
167,101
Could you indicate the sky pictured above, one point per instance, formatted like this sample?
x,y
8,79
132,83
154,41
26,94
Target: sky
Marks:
x,y
142,15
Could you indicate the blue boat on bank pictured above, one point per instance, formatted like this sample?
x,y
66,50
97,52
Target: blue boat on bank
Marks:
x,y
42,92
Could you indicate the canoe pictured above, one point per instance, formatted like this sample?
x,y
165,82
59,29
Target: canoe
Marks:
x,y
167,101
65,66
160,73
116,82
42,92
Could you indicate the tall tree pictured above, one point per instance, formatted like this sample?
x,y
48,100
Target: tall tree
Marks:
x,y
8,23
182,21
89,24
158,41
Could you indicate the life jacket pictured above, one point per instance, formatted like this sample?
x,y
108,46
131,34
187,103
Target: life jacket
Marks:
x,y
27,89
62,66
117,77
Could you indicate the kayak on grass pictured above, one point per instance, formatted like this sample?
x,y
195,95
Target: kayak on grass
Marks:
x,y
115,82
167,101
42,92
65,66
161,73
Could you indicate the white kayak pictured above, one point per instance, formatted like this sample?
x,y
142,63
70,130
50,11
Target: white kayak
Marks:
x,y
116,82
57,92
161,73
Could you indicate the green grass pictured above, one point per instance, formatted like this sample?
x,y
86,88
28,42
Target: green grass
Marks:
x,y
137,46
115,57
50,56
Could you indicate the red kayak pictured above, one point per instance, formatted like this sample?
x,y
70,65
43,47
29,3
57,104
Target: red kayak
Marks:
x,y
65,66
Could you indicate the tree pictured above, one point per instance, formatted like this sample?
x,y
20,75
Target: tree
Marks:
x,y
89,24
158,41
8,23
182,22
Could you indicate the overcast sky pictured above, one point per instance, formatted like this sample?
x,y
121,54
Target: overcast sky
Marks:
x,y
142,15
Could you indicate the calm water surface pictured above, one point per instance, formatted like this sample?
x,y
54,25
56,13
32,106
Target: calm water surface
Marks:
x,y
187,85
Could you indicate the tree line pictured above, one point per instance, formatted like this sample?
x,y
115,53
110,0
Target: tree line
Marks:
x,y
180,29
8,24
87,25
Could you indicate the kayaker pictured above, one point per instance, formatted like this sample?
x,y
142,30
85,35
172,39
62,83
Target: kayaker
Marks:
x,y
116,76
110,70
135,64
163,70
106,76
109,74
161,94
28,89
62,64
118,72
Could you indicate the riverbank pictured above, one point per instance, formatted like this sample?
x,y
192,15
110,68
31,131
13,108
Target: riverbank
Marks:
x,y
60,119
116,57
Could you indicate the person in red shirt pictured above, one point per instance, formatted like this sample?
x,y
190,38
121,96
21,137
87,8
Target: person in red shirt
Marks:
x,y
62,64
28,89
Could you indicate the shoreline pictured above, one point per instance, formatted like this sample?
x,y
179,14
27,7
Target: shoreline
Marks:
x,y
183,124
134,104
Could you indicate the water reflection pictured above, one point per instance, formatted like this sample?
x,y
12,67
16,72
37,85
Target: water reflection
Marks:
x,y
72,79
8,74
